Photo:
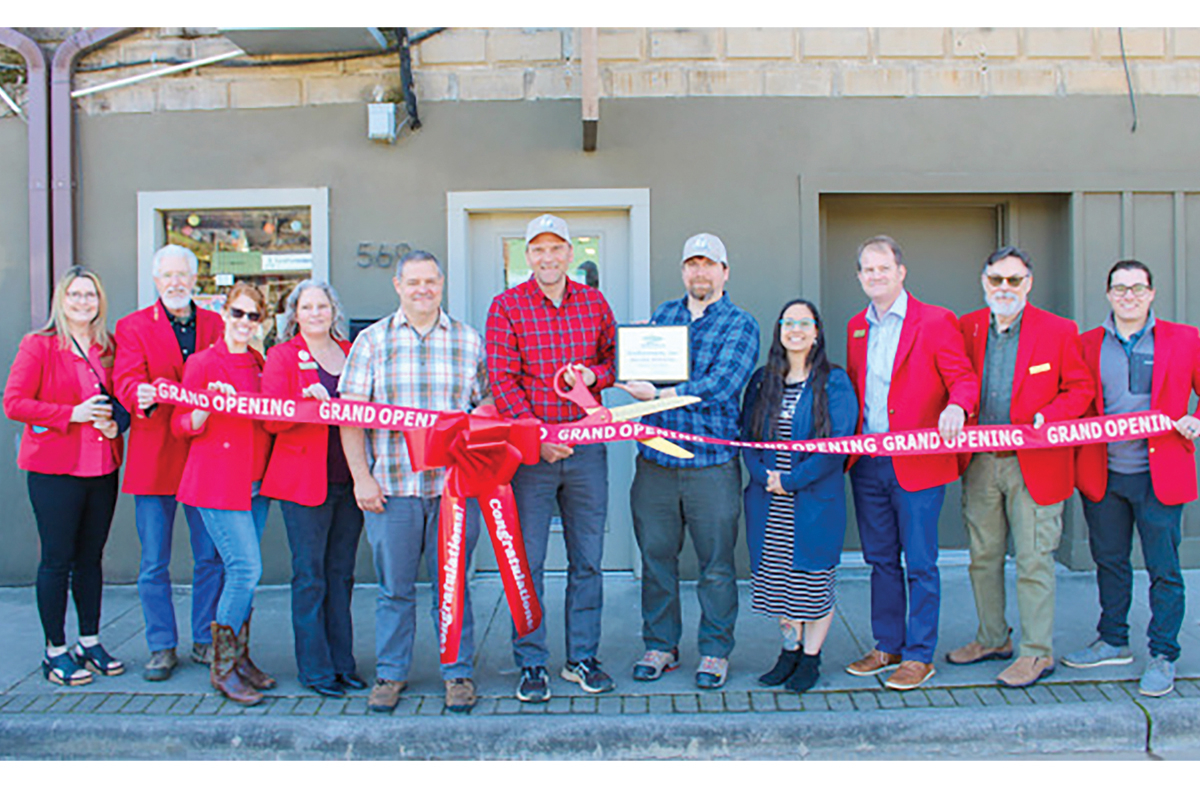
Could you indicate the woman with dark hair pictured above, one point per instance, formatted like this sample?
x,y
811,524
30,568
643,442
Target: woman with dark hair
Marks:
x,y
221,479
796,502
71,447
309,475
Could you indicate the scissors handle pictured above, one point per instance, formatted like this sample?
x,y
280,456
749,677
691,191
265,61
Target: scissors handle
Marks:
x,y
577,394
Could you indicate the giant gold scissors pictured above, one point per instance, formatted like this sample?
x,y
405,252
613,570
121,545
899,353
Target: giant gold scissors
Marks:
x,y
580,396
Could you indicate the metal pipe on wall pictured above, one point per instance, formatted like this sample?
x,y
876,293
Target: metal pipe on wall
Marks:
x,y
37,113
62,133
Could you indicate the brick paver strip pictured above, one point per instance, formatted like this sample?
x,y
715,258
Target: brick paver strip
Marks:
x,y
112,704
161,703
583,705
1187,689
992,696
763,701
282,706
687,703
508,705
635,704
536,708
41,703
307,706
211,704
429,707
661,704
1090,693
559,705
737,701
233,709
915,699
1063,692
137,704
839,702
186,704
355,707
609,705
332,707
1041,695
889,699
65,704
965,697
1018,697
940,698
788,701
89,703
710,701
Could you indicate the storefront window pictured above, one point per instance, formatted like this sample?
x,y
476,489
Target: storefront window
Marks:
x,y
585,268
268,247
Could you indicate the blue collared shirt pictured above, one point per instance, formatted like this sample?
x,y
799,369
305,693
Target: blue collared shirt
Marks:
x,y
723,345
882,343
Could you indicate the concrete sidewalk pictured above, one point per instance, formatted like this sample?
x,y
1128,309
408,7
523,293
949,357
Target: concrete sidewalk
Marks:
x,y
960,713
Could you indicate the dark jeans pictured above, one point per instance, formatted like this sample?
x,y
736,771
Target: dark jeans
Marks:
x,y
580,485
324,543
1129,499
905,594
73,517
707,500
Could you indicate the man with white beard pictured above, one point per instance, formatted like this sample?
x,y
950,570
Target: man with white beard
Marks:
x,y
1031,369
154,343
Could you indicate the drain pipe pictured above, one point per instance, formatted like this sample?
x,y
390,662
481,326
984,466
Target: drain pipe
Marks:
x,y
62,133
36,110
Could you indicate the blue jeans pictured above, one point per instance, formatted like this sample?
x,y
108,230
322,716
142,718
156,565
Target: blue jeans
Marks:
x,y
579,484
905,599
405,530
238,537
324,543
155,519
708,501
1130,499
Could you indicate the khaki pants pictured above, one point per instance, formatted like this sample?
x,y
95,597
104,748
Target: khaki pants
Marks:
x,y
995,504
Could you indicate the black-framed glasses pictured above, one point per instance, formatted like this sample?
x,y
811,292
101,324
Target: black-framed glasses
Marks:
x,y
999,280
237,313
1139,290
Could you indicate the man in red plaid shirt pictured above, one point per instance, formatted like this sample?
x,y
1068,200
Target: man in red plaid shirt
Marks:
x,y
533,329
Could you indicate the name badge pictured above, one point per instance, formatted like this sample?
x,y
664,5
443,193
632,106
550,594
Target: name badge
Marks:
x,y
313,365
1039,369
860,333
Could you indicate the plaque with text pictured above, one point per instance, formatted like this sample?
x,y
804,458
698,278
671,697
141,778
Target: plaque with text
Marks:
x,y
655,353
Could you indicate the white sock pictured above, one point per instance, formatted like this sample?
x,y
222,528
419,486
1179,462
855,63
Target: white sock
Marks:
x,y
89,641
53,651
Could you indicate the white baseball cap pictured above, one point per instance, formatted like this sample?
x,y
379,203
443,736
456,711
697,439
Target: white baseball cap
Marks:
x,y
707,245
547,223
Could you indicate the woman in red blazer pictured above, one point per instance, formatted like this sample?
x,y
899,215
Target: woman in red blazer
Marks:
x,y
221,479
309,475
71,448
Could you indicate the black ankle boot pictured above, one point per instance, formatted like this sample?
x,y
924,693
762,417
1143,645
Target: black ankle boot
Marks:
x,y
783,669
808,670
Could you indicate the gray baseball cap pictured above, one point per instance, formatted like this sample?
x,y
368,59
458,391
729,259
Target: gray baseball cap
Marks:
x,y
707,245
547,223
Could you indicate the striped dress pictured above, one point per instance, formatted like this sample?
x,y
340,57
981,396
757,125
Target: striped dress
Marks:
x,y
778,589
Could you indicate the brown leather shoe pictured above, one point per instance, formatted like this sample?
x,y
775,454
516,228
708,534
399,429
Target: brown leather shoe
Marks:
x,y
385,695
973,652
910,675
245,667
460,694
874,663
223,672
1025,671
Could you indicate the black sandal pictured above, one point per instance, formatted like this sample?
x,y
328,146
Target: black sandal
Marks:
x,y
63,670
97,659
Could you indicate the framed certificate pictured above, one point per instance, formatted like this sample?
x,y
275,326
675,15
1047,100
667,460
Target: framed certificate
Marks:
x,y
656,353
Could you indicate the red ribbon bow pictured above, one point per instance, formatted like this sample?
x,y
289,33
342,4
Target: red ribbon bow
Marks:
x,y
481,453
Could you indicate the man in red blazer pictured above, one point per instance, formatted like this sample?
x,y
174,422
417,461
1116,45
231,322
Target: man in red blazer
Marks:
x,y
1031,369
153,343
1137,363
907,362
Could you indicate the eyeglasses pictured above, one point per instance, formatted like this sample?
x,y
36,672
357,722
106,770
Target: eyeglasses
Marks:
x,y
237,313
797,324
1138,290
999,280
80,297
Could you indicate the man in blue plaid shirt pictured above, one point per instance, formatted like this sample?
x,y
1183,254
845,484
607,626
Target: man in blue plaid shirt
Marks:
x,y
702,493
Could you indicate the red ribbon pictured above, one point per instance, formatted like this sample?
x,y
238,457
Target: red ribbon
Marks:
x,y
481,453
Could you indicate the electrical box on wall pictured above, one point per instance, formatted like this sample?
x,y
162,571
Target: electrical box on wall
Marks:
x,y
381,121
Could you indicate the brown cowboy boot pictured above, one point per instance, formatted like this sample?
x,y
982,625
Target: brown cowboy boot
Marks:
x,y
245,667
223,672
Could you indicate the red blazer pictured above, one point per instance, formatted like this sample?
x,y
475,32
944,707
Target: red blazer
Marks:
x,y
42,389
1175,376
296,471
227,453
931,371
147,349
1050,378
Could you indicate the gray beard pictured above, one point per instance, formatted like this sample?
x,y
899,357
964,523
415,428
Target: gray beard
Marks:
x,y
1004,308
175,305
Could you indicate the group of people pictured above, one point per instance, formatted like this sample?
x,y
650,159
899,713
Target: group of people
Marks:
x,y
76,387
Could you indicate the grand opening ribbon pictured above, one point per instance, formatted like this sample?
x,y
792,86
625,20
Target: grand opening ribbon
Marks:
x,y
481,453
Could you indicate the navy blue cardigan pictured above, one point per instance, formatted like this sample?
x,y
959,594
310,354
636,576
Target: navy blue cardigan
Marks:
x,y
815,479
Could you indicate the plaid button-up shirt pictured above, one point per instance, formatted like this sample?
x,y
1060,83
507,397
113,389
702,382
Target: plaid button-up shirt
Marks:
x,y
529,338
391,363
724,349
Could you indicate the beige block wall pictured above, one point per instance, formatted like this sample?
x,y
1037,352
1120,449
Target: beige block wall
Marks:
x,y
479,64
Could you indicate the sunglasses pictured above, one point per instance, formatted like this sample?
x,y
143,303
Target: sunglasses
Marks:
x,y
999,280
237,313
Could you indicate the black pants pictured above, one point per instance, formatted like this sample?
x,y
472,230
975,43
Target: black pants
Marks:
x,y
73,518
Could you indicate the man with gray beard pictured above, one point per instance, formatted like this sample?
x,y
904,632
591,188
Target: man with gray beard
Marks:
x,y
1031,369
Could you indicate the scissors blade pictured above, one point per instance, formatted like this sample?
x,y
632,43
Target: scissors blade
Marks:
x,y
666,446
635,410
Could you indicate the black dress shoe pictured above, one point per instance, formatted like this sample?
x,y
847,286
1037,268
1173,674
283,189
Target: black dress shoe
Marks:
x,y
331,689
351,681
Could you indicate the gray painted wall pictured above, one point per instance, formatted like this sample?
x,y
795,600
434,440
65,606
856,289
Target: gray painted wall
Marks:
x,y
738,167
